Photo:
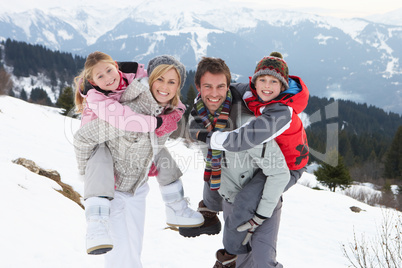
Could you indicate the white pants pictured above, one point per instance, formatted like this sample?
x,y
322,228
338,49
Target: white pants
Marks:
x,y
127,220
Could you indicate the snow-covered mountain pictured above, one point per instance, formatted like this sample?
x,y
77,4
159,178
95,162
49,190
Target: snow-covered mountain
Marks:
x,y
391,18
49,230
353,59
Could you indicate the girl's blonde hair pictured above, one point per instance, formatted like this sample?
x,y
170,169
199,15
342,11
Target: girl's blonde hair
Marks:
x,y
159,71
86,75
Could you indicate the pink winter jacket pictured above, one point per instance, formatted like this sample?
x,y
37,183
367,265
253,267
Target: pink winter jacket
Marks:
x,y
109,109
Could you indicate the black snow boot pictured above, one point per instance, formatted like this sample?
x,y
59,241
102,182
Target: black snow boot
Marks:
x,y
212,225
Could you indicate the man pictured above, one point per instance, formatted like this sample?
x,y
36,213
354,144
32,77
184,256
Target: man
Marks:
x,y
246,185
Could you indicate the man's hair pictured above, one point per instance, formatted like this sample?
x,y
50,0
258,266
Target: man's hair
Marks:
x,y
214,66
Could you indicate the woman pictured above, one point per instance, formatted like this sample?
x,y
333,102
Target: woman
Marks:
x,y
130,158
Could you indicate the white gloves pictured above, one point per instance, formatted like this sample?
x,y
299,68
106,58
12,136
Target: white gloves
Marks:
x,y
250,226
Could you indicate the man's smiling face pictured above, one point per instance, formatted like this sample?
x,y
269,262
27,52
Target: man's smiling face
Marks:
x,y
213,89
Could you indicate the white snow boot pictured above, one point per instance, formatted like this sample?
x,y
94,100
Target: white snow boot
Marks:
x,y
97,211
178,214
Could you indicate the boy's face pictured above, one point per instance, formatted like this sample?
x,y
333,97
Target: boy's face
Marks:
x,y
213,89
268,87
106,76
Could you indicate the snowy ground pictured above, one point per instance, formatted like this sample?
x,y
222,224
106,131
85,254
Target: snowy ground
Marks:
x,y
42,228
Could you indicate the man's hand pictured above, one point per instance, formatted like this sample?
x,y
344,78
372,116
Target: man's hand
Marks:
x,y
202,136
250,226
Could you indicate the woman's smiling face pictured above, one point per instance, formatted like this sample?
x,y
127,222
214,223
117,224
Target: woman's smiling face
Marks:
x,y
165,87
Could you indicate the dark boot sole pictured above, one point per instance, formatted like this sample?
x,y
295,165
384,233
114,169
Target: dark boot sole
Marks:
x,y
100,250
197,231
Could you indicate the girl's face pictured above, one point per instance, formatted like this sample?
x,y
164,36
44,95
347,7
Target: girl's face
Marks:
x,y
106,76
268,87
165,87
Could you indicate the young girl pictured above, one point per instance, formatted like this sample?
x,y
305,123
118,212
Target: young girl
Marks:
x,y
116,141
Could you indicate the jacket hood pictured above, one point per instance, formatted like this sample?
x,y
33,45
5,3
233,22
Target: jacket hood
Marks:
x,y
299,100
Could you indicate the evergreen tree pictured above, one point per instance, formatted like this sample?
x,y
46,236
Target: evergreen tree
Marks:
x,y
66,100
393,163
29,59
23,95
191,95
53,78
334,176
40,96
11,93
345,149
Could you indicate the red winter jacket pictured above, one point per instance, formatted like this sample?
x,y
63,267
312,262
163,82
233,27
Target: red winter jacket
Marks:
x,y
293,141
277,119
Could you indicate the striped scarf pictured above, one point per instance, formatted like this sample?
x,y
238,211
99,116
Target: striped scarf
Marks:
x,y
218,122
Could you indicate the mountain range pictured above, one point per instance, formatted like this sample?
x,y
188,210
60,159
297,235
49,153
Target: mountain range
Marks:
x,y
351,59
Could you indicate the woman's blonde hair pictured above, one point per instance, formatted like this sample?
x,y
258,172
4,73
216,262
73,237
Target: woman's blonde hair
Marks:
x,y
159,71
86,75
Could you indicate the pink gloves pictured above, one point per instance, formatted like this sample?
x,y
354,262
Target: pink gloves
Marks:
x,y
153,171
169,122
